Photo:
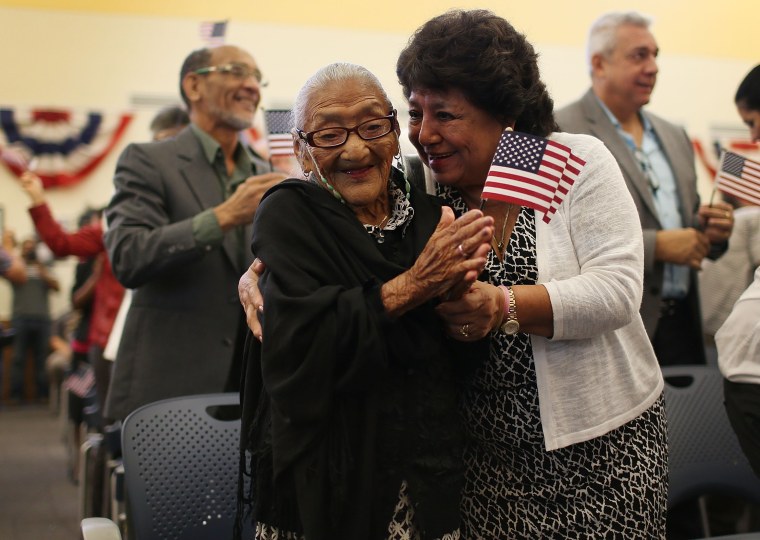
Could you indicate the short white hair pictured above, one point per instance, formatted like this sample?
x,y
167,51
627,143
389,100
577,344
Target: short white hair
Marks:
x,y
332,73
602,37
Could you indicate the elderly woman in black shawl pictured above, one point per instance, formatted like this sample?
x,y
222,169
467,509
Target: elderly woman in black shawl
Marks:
x,y
350,405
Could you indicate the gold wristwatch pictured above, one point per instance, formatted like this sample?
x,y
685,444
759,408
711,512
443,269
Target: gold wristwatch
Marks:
x,y
511,325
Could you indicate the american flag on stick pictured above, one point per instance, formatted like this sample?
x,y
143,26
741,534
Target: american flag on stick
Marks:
x,y
213,32
80,382
279,122
739,176
531,171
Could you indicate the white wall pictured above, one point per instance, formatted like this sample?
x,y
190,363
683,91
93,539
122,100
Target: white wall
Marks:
x,y
97,61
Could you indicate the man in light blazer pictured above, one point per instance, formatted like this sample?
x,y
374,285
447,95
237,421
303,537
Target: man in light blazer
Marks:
x,y
657,160
179,230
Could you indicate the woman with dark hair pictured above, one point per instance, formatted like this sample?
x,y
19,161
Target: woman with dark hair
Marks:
x,y
565,420
738,346
747,101
722,281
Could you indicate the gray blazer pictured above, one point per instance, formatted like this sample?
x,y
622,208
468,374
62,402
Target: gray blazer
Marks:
x,y
185,319
587,116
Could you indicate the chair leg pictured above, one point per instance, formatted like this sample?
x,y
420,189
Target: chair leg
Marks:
x,y
703,516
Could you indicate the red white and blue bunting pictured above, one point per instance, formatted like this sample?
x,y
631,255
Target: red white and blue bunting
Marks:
x,y
61,146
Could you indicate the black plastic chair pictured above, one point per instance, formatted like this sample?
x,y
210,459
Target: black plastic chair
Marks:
x,y
704,453
181,460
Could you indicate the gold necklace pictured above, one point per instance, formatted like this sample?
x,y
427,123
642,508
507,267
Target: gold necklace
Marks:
x,y
500,245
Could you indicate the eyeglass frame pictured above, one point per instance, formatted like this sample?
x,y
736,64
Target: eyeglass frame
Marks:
x,y
227,69
646,167
308,137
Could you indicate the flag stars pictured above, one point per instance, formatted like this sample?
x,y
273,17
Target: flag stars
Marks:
x,y
520,151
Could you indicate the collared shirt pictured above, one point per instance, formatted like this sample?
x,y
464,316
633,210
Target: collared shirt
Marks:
x,y
206,229
662,183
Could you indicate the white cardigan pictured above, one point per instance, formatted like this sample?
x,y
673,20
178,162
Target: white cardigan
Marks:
x,y
598,371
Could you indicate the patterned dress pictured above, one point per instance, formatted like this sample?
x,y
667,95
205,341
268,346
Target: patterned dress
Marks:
x,y
612,486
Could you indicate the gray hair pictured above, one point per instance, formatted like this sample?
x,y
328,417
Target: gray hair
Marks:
x,y
601,36
333,73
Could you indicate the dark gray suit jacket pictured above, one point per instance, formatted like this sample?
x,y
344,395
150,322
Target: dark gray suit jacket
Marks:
x,y
185,319
587,116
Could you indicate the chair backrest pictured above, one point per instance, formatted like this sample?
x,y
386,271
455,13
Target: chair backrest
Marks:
x,y
704,453
181,467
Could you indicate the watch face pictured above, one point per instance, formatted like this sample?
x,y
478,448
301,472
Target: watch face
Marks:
x,y
511,327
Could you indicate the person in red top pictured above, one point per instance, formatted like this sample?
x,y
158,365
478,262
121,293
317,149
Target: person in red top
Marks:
x,y
85,242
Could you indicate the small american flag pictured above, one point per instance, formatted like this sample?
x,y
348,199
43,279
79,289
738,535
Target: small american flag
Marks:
x,y
80,382
279,122
213,32
739,176
531,171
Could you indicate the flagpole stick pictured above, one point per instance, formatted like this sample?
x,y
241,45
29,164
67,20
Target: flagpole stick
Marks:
x,y
715,180
715,187
712,196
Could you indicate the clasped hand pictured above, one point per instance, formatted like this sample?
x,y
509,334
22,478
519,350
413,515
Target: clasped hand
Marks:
x,y
717,221
454,256
448,266
240,207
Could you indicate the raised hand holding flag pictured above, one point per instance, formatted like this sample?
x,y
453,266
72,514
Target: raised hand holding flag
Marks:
x,y
531,171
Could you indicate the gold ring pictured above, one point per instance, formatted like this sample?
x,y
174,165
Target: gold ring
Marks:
x,y
465,331
460,249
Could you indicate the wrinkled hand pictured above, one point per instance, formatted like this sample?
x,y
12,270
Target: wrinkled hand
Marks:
x,y
480,308
717,221
455,254
682,246
250,297
32,184
240,208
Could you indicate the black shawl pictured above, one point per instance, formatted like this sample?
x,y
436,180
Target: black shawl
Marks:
x,y
340,402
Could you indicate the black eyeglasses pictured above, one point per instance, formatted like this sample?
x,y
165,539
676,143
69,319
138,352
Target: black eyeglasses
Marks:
x,y
239,71
337,136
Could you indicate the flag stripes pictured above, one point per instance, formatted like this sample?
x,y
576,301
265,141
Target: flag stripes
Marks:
x,y
213,32
739,176
531,171
279,122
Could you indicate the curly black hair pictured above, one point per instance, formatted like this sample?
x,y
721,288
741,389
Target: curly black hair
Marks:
x,y
482,55
748,93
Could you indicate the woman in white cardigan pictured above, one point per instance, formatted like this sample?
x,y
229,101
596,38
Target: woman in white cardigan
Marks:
x,y
566,419
566,422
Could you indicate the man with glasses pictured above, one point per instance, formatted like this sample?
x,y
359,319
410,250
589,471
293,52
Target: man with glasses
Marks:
x,y
657,161
179,227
